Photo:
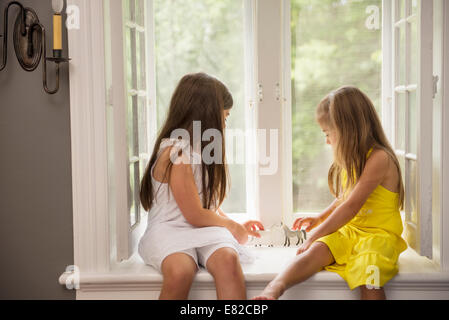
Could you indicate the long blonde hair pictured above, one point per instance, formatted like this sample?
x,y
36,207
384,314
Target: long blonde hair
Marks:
x,y
352,116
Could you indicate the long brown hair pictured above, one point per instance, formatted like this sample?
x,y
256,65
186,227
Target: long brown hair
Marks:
x,y
203,98
351,114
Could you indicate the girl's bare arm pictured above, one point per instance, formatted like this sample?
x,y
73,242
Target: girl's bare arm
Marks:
x,y
185,192
373,175
326,213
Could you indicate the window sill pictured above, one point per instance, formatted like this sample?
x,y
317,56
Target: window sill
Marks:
x,y
417,275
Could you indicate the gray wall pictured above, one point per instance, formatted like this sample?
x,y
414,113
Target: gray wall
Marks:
x,y
36,235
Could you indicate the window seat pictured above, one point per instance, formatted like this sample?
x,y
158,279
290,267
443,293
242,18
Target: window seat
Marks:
x,y
418,278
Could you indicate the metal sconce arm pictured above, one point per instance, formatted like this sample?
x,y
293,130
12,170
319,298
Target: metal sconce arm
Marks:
x,y
41,29
5,30
29,44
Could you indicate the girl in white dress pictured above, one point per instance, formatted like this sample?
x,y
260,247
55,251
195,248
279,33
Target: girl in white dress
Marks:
x,y
183,191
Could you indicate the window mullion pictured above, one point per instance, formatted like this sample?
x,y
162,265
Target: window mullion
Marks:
x,y
407,44
269,113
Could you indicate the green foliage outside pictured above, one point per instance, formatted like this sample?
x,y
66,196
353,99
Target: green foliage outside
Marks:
x,y
331,47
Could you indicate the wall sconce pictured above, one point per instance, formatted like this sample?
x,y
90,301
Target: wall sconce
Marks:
x,y
29,40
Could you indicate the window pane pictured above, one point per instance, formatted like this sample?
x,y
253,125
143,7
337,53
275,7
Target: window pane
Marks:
x,y
415,4
402,54
140,12
131,202
131,57
400,124
132,130
412,194
126,10
207,36
401,160
414,53
131,10
413,123
141,63
136,105
402,9
334,43
143,127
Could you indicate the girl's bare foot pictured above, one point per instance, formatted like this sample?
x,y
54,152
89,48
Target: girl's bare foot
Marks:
x,y
272,292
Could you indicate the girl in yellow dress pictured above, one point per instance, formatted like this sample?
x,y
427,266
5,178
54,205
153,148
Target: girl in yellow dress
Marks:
x,y
359,235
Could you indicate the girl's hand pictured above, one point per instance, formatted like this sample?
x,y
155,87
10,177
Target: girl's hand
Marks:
x,y
239,232
253,226
242,231
304,247
309,223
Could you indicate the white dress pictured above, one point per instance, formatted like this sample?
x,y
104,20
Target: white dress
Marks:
x,y
169,232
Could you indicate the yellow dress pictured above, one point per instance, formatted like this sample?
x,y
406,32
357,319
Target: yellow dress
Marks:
x,y
366,250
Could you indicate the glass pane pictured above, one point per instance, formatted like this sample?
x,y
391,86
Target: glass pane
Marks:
x,y
132,129
132,10
402,8
131,56
126,10
208,36
131,198
142,166
140,13
141,62
415,6
401,160
333,44
412,194
133,59
143,129
400,125
414,53
413,124
402,57
129,64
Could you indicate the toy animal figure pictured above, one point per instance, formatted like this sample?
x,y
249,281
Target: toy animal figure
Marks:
x,y
269,238
299,234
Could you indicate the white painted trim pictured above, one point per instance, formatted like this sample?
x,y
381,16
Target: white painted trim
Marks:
x,y
250,25
88,138
286,156
102,284
445,144
387,67
425,125
123,233
437,131
269,113
151,74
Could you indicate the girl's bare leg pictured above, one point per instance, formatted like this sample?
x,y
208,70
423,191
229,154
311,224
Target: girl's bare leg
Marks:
x,y
372,294
179,270
304,266
224,266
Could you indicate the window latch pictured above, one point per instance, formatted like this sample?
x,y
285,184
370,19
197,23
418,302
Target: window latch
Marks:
x,y
260,92
435,85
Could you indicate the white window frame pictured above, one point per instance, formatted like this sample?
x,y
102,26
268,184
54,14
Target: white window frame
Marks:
x,y
125,236
91,219
420,234
442,205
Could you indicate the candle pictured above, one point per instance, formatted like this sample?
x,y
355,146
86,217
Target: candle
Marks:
x,y
58,6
